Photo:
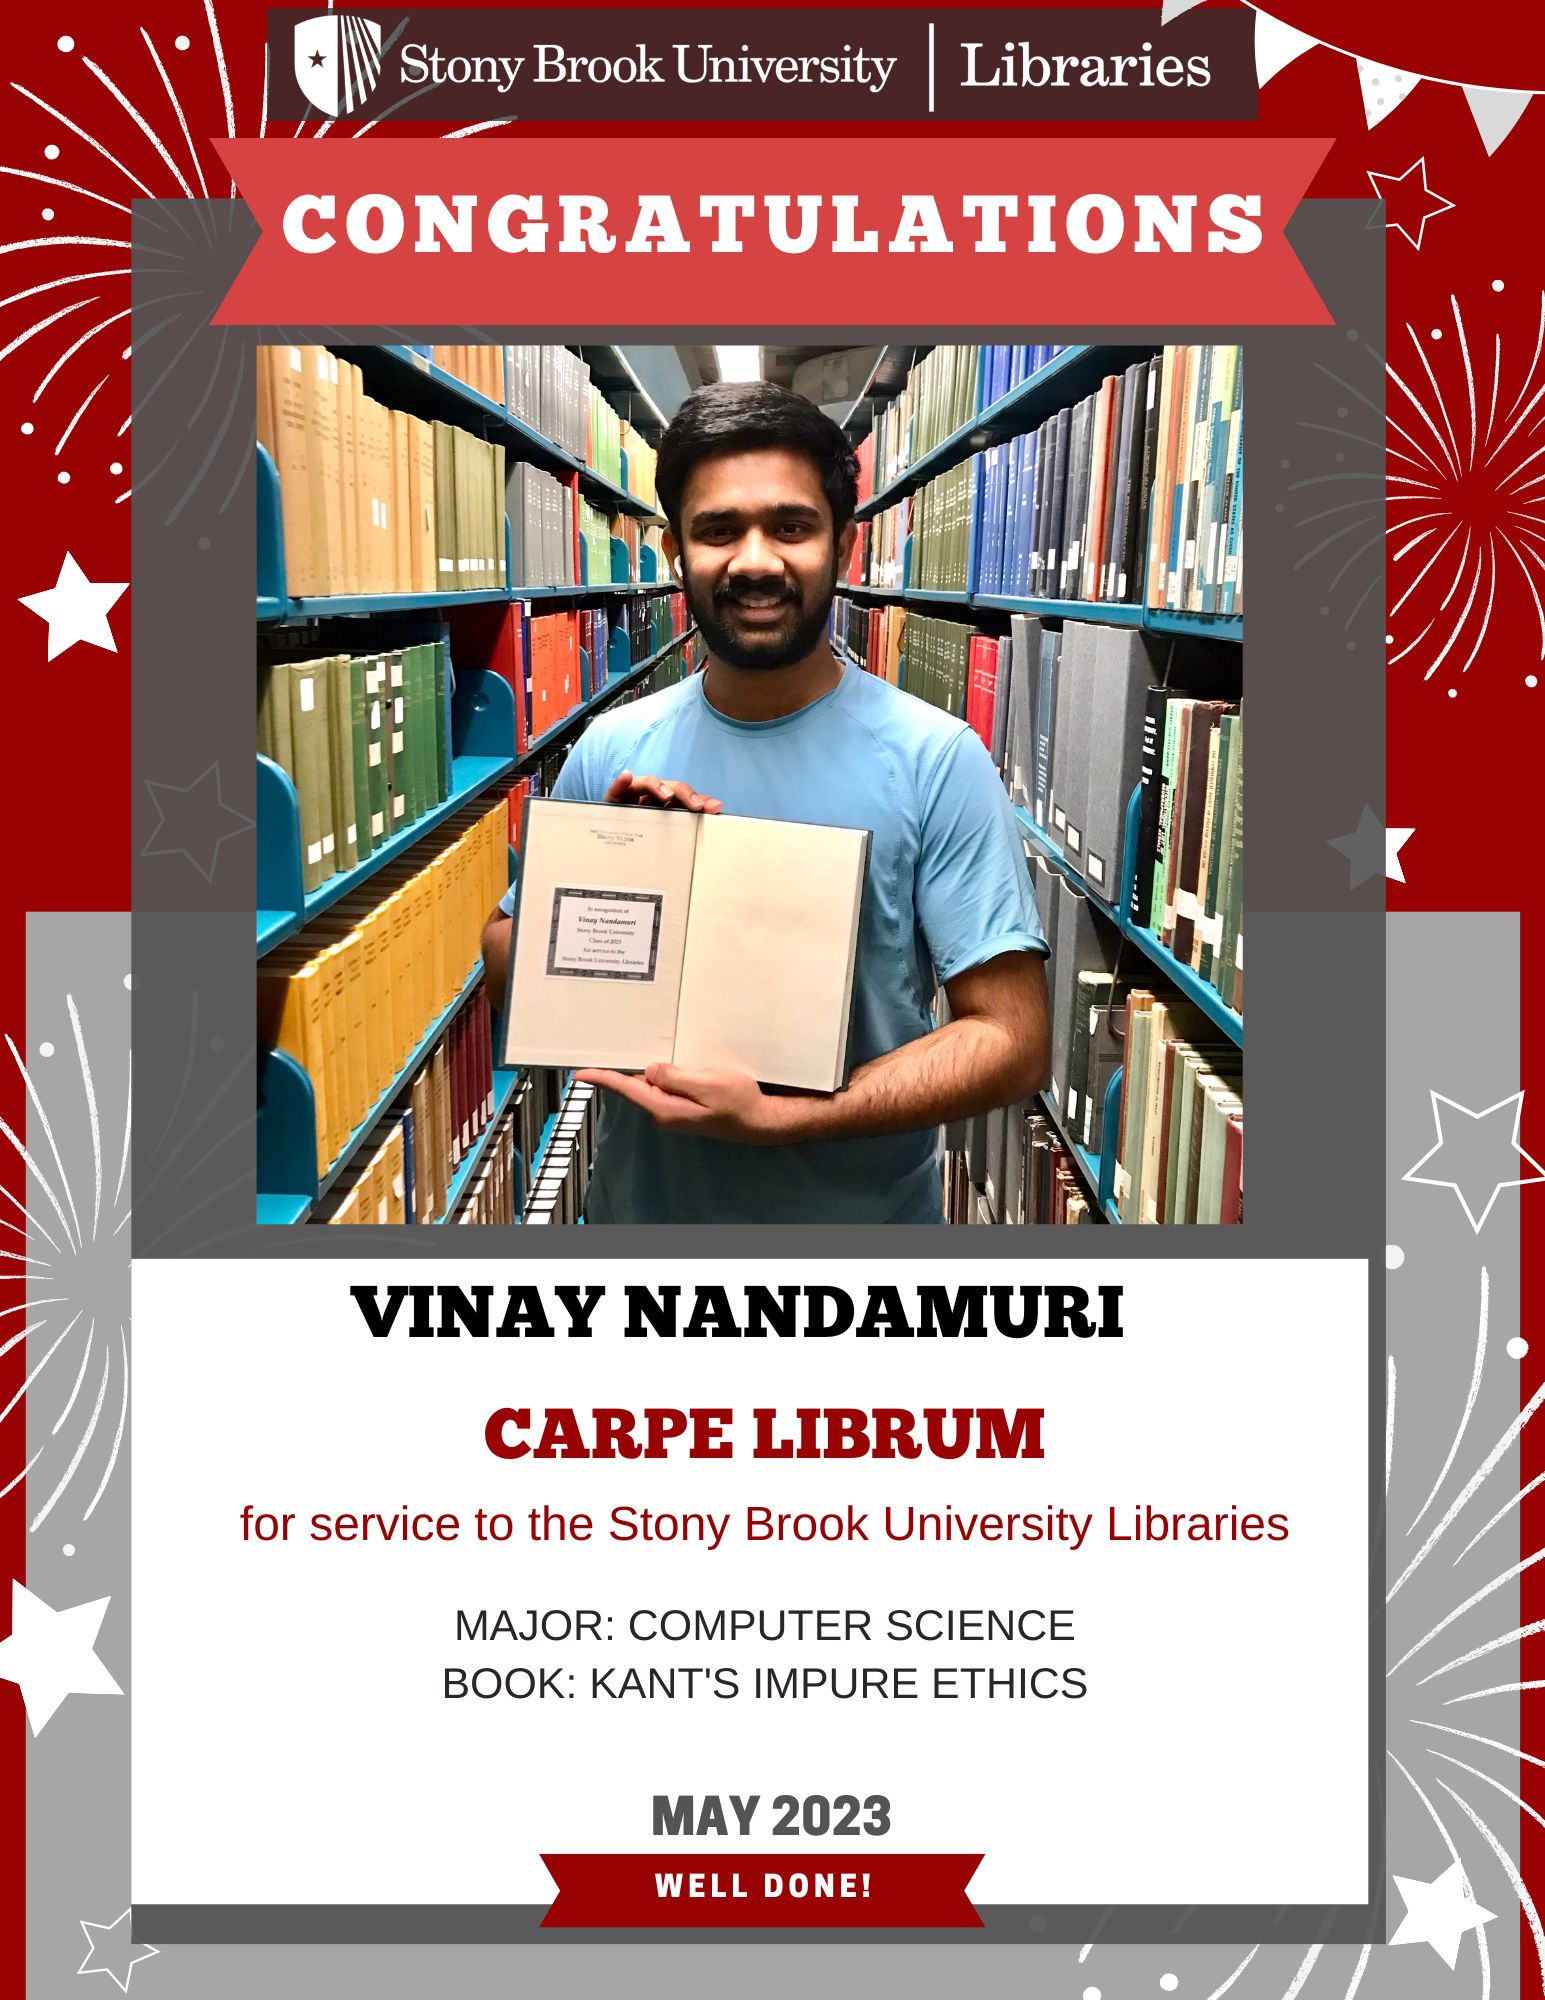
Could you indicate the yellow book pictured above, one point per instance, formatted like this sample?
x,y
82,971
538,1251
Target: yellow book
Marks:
x,y
402,511
287,371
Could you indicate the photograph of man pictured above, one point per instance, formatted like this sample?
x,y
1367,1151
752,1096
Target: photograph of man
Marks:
x,y
758,487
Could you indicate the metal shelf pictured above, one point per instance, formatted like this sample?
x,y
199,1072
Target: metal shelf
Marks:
x,y
1197,624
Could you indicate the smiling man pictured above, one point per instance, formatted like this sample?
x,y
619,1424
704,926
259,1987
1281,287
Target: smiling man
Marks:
x,y
758,488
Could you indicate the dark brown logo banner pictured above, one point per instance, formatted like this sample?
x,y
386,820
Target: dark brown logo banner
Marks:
x,y
452,65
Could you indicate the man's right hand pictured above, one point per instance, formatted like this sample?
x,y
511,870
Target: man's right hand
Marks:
x,y
637,788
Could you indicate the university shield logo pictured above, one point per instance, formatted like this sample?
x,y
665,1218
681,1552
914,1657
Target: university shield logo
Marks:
x,y
337,61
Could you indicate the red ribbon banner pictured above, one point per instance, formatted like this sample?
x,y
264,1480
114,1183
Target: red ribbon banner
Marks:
x,y
733,233
762,1891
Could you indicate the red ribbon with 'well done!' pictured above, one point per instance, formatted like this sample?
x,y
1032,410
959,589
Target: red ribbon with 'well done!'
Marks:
x,y
533,232
761,1891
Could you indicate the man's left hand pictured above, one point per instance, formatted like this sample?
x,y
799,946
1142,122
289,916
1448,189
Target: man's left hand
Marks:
x,y
710,1103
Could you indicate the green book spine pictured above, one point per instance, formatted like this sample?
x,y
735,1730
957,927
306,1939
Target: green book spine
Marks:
x,y
441,678
1166,815
308,719
376,766
340,759
359,742
445,508
399,776
424,729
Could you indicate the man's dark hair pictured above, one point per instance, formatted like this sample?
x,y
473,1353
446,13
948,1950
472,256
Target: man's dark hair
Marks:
x,y
725,417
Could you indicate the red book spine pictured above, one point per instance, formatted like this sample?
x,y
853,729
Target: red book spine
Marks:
x,y
1234,1170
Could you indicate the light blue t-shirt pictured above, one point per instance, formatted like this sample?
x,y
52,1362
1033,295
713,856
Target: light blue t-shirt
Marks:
x,y
947,889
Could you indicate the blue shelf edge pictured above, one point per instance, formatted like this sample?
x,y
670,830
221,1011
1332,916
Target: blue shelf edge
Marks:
x,y
1219,625
505,1081
1191,984
296,1207
481,720
295,610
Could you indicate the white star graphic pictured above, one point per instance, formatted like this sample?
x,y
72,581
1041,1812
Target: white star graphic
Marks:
x,y
1395,837
51,1654
75,610
1439,1913
1436,205
121,1951
1504,1147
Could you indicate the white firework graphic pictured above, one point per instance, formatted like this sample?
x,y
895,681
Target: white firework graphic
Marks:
x,y
1465,509
89,194
1460,1651
69,1254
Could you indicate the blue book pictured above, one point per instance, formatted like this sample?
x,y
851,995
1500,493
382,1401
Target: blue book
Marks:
x,y
1024,585
408,1208
1004,580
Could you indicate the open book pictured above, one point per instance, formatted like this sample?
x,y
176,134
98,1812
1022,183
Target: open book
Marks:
x,y
698,939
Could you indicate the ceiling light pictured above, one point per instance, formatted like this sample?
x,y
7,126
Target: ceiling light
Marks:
x,y
739,364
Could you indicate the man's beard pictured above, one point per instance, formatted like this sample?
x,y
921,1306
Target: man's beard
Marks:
x,y
754,649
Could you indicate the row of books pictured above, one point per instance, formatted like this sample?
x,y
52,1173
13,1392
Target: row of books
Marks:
x,y
944,389
1180,1148
493,1195
1036,1178
403,1171
559,537
550,389
1086,717
1131,496
480,366
1173,1063
558,1191
364,741
554,661
352,995
374,502
1076,719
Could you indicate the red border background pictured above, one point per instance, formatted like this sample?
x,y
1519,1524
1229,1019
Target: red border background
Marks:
x,y
71,852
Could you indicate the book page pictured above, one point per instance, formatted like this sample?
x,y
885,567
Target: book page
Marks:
x,y
766,986
600,924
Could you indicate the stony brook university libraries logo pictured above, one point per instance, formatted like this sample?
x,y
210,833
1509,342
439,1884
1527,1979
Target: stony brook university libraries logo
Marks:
x,y
337,61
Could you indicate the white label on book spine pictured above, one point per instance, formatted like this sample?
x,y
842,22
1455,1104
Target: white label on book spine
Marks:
x,y
1073,840
396,742
295,360
397,806
1187,906
1121,585
314,851
353,836
377,825
1059,819
327,843
308,696
446,565
397,708
381,1209
1123,1182
1210,930
1096,867
374,753
1239,952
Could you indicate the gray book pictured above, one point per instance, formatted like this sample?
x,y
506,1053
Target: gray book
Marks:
x,y
1086,942
1045,878
1024,684
1104,1061
1002,701
1073,725
1061,705
1012,1207
992,1182
976,1151
1123,673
